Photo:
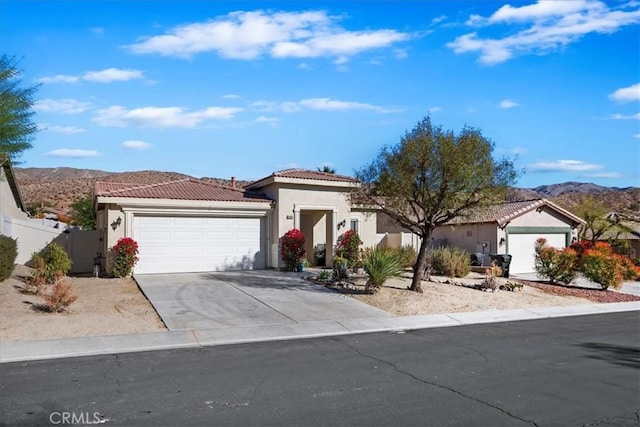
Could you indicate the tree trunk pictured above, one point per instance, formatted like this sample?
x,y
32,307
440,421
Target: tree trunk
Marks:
x,y
421,264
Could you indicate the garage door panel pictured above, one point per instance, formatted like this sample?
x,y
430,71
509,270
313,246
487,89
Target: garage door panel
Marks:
x,y
521,248
192,244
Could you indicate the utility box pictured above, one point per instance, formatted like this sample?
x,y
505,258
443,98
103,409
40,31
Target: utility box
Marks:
x,y
477,259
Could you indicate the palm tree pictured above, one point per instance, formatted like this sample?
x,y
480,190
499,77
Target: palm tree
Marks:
x,y
327,169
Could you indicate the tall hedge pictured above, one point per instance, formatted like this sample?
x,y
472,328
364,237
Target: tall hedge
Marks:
x,y
8,255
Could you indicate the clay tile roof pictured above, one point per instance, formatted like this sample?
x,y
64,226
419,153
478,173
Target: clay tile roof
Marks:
x,y
505,212
183,189
309,174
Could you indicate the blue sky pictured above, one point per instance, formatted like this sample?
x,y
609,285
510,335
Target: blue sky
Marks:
x,y
242,89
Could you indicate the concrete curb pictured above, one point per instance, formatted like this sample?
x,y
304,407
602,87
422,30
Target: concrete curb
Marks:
x,y
20,351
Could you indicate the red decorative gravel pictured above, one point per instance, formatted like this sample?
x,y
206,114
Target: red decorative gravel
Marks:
x,y
594,295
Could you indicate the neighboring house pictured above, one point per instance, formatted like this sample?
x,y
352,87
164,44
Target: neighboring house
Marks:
x,y
626,238
191,225
11,204
511,228
31,235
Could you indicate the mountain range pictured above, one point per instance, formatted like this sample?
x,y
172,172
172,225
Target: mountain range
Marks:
x,y
59,187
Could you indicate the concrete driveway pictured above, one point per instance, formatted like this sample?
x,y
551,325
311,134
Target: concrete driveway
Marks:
x,y
248,298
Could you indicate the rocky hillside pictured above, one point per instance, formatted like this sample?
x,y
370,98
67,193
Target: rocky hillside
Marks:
x,y
61,186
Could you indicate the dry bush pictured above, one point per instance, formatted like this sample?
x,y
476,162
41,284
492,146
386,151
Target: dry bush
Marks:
x,y
60,297
36,283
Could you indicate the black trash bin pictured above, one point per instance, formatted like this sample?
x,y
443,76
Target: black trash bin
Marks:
x,y
502,260
477,259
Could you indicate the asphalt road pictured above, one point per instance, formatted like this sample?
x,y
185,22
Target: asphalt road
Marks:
x,y
572,371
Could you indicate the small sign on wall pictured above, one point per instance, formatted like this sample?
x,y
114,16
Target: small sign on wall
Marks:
x,y
289,216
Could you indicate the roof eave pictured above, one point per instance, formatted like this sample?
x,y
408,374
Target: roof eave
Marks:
x,y
301,181
146,202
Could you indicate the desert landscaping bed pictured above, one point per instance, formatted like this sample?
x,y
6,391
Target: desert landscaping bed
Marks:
x,y
445,295
117,306
104,307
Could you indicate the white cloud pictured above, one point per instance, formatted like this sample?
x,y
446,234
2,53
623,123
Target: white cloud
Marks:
x,y
73,153
507,103
161,117
322,104
341,60
304,66
625,116
61,106
637,135
107,75
434,109
563,166
59,78
66,130
549,25
97,31
251,35
135,145
112,75
230,96
327,104
627,94
273,121
438,19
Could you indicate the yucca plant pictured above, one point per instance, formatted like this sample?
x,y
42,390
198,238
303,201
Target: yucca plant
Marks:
x,y
380,264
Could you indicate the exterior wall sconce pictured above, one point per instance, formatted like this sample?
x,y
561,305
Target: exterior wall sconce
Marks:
x,y
502,241
342,223
115,224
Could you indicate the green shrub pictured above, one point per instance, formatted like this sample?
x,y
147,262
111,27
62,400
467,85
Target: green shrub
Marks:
x,y
380,264
8,255
599,265
324,276
556,265
340,268
406,255
55,259
449,261
512,286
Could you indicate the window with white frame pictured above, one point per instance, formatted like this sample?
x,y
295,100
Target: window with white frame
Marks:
x,y
354,224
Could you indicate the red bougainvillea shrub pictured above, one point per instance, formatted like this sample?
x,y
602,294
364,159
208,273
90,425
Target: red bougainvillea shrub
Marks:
x,y
292,248
349,246
125,256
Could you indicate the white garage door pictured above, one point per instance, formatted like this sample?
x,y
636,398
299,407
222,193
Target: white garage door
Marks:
x,y
193,244
521,249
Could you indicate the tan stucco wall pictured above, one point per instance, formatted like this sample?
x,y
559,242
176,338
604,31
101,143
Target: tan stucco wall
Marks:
x,y
366,227
106,215
8,205
545,218
469,237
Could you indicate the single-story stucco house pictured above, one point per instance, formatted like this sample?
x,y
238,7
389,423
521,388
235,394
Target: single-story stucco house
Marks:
x,y
11,203
192,225
511,228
